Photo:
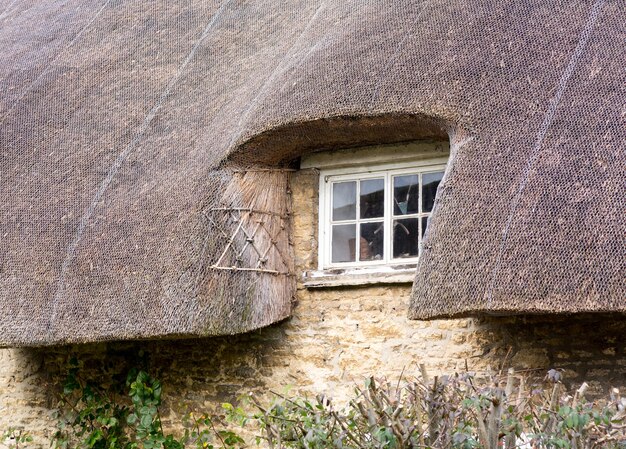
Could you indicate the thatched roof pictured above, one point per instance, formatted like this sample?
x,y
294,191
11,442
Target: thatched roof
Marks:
x,y
123,126
531,217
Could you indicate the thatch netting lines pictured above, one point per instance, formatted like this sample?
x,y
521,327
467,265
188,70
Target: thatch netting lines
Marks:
x,y
561,235
541,135
145,100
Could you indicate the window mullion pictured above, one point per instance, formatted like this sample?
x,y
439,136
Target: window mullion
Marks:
x,y
357,243
328,227
343,222
388,208
402,217
419,211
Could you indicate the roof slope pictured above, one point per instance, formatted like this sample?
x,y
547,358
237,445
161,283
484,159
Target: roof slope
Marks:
x,y
116,119
531,217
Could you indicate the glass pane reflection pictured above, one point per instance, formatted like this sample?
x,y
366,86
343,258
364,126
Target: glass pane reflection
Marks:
x,y
372,201
342,244
344,200
371,245
430,182
424,224
406,238
405,194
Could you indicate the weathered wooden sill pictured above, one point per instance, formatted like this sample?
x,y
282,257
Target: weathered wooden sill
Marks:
x,y
359,276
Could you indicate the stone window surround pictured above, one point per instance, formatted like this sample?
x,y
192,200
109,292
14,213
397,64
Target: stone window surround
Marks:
x,y
339,161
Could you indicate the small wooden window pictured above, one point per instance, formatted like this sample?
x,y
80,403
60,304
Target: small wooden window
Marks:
x,y
376,215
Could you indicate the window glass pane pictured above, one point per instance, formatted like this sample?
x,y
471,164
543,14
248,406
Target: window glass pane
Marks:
x,y
424,224
371,245
372,200
406,238
405,194
343,243
344,200
430,182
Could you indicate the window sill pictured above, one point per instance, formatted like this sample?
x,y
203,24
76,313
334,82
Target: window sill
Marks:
x,y
348,277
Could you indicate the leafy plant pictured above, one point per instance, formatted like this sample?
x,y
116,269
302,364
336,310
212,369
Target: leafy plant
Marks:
x,y
17,438
91,416
447,412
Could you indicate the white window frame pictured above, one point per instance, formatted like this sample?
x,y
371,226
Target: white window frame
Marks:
x,y
357,173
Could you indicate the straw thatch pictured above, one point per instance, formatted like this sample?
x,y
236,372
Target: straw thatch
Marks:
x,y
124,128
531,217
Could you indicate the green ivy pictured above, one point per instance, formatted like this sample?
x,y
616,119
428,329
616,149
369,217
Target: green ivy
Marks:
x,y
91,416
17,438
447,412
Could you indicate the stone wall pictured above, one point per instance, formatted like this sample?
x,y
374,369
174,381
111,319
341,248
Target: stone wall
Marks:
x,y
334,339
